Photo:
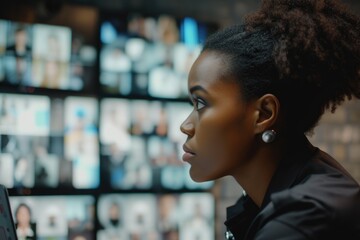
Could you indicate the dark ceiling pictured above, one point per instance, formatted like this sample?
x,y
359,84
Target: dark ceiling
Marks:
x,y
220,11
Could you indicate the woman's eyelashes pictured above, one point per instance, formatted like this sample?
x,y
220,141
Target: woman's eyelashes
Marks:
x,y
199,103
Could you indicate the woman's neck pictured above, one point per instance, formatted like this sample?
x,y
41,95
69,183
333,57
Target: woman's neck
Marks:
x,y
255,176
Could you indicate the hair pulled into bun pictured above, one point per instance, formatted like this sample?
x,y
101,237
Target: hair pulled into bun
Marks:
x,y
306,52
317,45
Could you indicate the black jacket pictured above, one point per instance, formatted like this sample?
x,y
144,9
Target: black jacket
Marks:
x,y
309,197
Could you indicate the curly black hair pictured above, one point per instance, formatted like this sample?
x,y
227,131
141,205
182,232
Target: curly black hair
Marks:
x,y
305,52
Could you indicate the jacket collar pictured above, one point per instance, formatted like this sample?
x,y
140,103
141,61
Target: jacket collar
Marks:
x,y
240,216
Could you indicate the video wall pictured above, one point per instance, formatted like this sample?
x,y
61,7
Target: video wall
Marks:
x,y
93,130
48,142
54,217
44,56
119,216
148,56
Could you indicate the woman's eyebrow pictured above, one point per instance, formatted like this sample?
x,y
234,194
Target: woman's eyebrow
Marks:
x,y
197,88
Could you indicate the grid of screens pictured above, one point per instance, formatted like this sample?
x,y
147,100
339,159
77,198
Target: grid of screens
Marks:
x,y
45,56
187,216
54,217
58,144
144,60
48,142
125,138
141,144
148,56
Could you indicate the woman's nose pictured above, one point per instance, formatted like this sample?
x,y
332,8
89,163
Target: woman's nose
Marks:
x,y
188,127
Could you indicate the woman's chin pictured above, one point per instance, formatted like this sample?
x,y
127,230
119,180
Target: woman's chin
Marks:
x,y
200,177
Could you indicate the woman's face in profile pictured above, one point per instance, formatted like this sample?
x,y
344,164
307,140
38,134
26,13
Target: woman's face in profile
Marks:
x,y
219,129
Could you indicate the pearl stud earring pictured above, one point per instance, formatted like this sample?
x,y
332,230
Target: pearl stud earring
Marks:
x,y
268,136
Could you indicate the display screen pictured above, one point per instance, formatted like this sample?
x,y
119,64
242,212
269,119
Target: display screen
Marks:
x,y
144,64
45,56
186,216
48,142
141,145
148,56
54,217
113,140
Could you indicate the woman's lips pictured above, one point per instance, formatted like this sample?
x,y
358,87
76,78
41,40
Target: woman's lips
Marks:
x,y
188,155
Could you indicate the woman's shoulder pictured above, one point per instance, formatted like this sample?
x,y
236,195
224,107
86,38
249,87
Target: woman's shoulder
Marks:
x,y
323,203
321,179
321,207
331,193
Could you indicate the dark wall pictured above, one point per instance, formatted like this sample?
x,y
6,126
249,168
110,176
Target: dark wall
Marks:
x,y
223,12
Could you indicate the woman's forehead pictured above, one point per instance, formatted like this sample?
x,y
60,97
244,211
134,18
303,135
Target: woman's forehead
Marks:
x,y
209,67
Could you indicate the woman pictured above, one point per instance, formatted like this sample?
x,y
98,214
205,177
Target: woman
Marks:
x,y
25,229
257,89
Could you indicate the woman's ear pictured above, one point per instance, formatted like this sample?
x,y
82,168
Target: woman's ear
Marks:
x,y
268,107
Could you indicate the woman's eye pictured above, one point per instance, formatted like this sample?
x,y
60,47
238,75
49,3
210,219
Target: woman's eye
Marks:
x,y
199,104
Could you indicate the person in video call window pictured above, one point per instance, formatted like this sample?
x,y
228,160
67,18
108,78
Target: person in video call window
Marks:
x,y
25,229
257,89
18,57
20,47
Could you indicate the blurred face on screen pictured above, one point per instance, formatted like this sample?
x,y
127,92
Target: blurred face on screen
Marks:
x,y
52,74
114,214
51,69
219,130
79,238
20,39
23,216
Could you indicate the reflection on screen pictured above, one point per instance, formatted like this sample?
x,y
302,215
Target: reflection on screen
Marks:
x,y
148,56
141,144
54,217
48,142
186,216
45,56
